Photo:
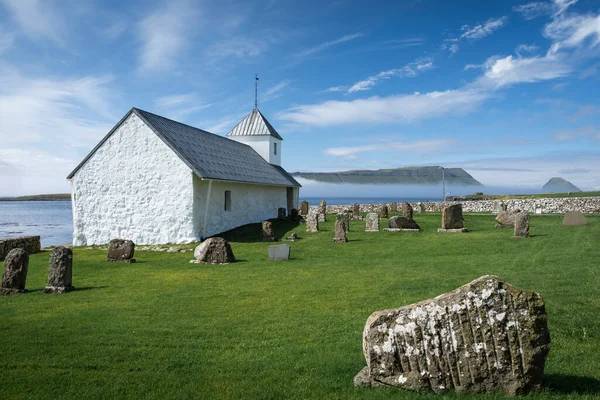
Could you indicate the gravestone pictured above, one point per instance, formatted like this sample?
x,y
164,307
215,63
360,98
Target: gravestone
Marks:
x,y
268,234
343,217
538,210
498,207
14,275
323,211
214,250
506,219
394,207
452,217
340,231
356,212
574,218
294,214
486,336
399,222
60,271
312,220
522,224
120,250
279,253
372,223
281,214
304,208
407,210
383,211
420,208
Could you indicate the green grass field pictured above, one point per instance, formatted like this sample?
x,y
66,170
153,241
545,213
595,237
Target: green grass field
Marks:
x,y
164,328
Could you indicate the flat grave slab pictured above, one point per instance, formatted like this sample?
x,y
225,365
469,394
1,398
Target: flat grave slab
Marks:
x,y
279,253
461,230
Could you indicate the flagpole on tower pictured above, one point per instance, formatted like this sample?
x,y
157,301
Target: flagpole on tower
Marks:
x,y
255,90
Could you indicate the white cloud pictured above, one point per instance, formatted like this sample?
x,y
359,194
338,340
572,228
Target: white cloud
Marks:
x,y
336,89
6,41
409,70
399,108
276,90
420,146
482,30
179,106
326,45
509,70
573,31
534,9
173,100
37,19
164,35
237,46
582,132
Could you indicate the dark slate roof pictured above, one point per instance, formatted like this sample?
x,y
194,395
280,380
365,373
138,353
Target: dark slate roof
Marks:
x,y
210,156
254,124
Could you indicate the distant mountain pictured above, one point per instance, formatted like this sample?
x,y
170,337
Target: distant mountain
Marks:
x,y
559,185
408,175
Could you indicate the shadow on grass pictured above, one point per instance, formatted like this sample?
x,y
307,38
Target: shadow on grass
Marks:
x,y
252,233
569,384
81,289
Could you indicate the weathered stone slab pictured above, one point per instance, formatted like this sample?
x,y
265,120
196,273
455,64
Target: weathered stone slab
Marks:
x,y
120,250
281,214
31,245
485,336
343,217
504,226
304,208
312,221
322,217
60,271
459,230
356,210
372,222
279,253
420,208
407,210
393,207
383,211
522,224
214,250
268,234
400,230
340,231
574,218
323,210
14,275
506,218
402,223
452,217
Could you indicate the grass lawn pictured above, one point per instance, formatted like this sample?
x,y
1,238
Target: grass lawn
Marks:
x,y
164,328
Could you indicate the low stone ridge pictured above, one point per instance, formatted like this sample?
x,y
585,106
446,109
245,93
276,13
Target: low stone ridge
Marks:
x,y
268,234
452,217
383,212
522,224
60,271
14,275
402,223
343,217
214,250
372,222
485,336
304,208
31,245
340,231
120,250
394,207
407,210
574,218
506,218
281,214
312,221
279,253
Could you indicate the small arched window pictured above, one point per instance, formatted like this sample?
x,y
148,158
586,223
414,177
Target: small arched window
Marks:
x,y
275,148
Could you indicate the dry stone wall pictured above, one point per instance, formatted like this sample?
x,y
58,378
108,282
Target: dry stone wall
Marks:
x,y
31,244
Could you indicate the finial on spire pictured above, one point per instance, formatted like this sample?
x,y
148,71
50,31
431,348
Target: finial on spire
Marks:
x,y
255,90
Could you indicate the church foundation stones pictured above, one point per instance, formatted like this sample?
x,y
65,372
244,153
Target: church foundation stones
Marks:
x,y
268,234
120,250
213,250
60,271
14,275
522,224
486,336
372,222
574,218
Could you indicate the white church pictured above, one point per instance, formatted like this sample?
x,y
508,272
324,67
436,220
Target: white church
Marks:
x,y
154,180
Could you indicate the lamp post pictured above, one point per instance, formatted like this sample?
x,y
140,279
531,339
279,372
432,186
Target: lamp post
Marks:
x,y
443,184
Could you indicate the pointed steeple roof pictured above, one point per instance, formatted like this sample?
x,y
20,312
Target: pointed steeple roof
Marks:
x,y
254,124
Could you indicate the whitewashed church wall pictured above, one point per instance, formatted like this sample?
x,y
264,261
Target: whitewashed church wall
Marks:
x,y
249,204
133,187
263,145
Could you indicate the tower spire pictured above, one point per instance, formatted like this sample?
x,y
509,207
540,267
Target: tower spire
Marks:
x,y
255,90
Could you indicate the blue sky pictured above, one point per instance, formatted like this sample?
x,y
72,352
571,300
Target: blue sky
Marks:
x,y
508,90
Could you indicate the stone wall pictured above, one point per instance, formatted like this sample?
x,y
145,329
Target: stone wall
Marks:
x,y
548,206
31,244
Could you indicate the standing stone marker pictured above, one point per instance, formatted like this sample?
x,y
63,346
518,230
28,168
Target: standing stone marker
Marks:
x,y
267,231
14,275
343,217
383,211
506,219
498,207
293,214
420,207
574,218
407,210
372,223
304,208
120,250
281,214
485,336
279,253
323,211
340,231
522,224
312,221
452,219
214,250
31,244
60,271
394,207
356,211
